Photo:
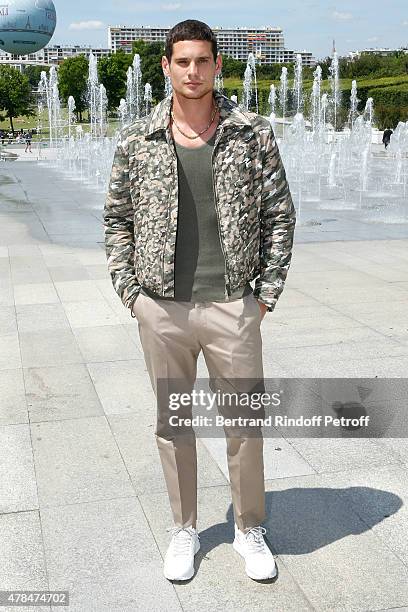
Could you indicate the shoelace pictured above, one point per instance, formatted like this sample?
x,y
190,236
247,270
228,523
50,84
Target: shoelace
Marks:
x,y
181,539
254,539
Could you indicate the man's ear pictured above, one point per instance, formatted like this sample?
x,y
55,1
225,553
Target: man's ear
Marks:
x,y
165,65
218,64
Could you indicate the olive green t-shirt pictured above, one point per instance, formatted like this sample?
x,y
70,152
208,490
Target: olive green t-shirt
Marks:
x,y
199,260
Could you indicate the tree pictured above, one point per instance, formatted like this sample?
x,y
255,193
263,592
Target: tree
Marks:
x,y
33,73
112,73
152,71
232,67
72,81
15,94
372,65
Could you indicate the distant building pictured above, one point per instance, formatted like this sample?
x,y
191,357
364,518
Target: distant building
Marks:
x,y
378,51
266,43
53,54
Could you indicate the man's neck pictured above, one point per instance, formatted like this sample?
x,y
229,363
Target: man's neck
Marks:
x,y
193,112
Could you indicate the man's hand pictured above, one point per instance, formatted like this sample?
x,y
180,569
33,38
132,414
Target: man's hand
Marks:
x,y
263,308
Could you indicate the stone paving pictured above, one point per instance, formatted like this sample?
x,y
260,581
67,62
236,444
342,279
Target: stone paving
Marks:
x,y
83,505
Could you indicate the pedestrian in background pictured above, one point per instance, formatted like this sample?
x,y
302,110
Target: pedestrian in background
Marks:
x,y
28,138
387,136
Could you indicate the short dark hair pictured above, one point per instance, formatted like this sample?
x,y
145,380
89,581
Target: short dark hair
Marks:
x,y
190,29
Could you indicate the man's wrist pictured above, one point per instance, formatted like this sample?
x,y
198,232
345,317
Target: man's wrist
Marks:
x,y
268,307
131,304
264,307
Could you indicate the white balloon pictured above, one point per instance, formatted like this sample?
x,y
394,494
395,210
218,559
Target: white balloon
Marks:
x,y
26,26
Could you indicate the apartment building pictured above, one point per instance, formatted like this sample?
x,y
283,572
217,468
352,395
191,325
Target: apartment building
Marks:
x,y
53,54
266,43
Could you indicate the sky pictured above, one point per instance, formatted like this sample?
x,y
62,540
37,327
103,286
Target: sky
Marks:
x,y
309,25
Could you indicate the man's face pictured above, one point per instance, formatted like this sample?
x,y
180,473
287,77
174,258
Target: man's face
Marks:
x,y
192,68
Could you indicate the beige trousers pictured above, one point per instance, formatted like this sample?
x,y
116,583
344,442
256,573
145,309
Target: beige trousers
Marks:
x,y
172,334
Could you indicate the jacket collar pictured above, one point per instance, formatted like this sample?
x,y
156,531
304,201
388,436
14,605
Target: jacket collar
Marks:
x,y
230,113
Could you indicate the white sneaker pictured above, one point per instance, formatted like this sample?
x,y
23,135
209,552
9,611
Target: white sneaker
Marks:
x,y
259,561
179,558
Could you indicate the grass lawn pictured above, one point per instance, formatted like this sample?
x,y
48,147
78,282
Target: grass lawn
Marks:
x,y
27,123
345,84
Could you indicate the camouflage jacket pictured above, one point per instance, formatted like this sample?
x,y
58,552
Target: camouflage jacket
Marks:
x,y
256,216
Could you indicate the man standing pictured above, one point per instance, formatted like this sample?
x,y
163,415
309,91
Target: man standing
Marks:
x,y
198,206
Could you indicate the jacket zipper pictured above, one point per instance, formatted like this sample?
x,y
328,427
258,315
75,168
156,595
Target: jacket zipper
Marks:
x,y
165,237
168,214
226,276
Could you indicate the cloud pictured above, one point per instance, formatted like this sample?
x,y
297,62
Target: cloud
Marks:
x,y
405,23
175,6
341,16
373,39
140,7
87,25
